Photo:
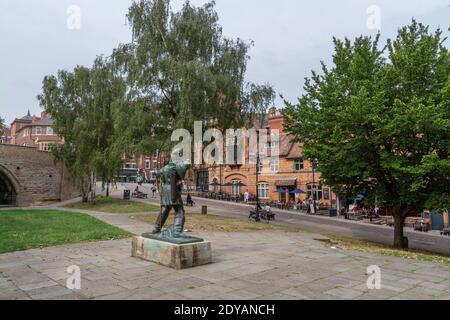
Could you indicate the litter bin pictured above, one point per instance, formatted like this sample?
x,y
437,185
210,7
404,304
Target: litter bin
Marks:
x,y
437,221
333,213
126,195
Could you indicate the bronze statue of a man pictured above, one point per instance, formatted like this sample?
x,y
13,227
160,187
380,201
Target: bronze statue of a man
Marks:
x,y
171,183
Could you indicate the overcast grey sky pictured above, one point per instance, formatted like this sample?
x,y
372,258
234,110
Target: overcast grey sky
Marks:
x,y
291,37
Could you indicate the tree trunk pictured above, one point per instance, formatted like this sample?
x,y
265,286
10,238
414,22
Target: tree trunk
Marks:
x,y
400,241
107,189
84,194
92,187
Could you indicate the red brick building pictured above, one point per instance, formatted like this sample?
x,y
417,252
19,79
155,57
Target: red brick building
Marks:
x,y
291,172
6,136
33,131
148,164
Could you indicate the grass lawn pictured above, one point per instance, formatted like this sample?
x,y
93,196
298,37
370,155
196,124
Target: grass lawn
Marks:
x,y
114,205
370,247
196,222
27,229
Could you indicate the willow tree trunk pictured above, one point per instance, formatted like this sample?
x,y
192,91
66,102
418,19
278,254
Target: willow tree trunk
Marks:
x,y
92,187
84,193
400,241
84,197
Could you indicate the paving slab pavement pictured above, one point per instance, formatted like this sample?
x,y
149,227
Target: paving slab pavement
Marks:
x,y
247,266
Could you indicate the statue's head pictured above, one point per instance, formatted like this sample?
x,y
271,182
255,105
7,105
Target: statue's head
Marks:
x,y
181,168
178,157
180,163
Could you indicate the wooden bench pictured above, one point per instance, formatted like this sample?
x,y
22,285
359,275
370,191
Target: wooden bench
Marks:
x,y
421,226
270,216
140,195
190,203
263,214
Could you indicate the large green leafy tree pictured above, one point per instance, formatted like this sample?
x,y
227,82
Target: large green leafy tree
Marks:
x,y
379,121
179,69
81,104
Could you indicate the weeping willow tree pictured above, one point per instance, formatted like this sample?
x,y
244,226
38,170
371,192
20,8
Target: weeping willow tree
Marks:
x,y
179,68
81,103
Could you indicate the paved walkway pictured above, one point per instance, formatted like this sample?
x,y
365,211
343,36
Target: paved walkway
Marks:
x,y
430,242
251,265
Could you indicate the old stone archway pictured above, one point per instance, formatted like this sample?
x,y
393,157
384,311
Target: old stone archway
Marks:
x,y
30,177
8,193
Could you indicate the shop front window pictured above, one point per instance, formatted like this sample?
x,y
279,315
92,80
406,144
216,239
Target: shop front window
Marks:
x,y
203,181
236,187
316,191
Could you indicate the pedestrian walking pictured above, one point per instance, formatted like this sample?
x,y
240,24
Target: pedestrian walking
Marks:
x,y
246,196
189,200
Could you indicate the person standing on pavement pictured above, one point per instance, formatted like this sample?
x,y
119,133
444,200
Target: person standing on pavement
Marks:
x,y
153,191
246,196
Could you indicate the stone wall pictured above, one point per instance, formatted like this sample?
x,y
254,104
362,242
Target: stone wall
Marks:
x,y
36,176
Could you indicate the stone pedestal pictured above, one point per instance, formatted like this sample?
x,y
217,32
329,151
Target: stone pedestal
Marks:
x,y
177,256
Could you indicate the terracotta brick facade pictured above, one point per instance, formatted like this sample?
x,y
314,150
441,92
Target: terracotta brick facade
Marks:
x,y
292,172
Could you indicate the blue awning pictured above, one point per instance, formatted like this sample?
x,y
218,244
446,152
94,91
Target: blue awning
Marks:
x,y
298,191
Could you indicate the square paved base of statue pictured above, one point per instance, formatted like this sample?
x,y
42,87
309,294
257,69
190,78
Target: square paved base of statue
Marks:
x,y
172,255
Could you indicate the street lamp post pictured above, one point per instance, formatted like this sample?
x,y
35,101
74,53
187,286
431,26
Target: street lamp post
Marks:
x,y
220,179
257,189
314,190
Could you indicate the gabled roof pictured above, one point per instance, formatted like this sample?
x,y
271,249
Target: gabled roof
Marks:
x,y
288,148
296,151
285,145
43,122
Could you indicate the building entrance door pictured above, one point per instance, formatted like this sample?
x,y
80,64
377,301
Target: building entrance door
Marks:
x,y
291,196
